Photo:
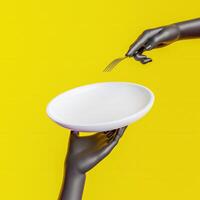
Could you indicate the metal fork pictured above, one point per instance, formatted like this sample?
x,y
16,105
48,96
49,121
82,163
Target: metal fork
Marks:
x,y
111,66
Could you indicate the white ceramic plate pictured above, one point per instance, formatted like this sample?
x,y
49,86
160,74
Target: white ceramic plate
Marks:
x,y
101,106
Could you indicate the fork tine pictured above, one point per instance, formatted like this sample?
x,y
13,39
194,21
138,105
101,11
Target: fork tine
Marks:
x,y
107,69
111,66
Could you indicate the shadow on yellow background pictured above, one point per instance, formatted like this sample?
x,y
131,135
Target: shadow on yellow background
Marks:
x,y
48,47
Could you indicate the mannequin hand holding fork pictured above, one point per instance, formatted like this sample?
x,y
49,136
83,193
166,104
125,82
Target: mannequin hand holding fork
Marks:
x,y
163,36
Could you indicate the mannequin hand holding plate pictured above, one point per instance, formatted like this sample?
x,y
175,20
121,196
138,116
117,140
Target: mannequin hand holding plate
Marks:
x,y
83,154
112,105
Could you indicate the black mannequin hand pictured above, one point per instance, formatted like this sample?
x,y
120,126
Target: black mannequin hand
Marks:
x,y
85,152
153,38
162,36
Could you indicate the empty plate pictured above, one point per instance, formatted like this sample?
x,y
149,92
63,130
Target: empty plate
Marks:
x,y
101,106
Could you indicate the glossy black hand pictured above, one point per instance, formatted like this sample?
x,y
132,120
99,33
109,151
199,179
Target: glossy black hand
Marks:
x,y
83,154
153,38
163,36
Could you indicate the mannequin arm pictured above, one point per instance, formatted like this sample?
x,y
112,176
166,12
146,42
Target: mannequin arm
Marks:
x,y
163,36
189,29
73,185
83,154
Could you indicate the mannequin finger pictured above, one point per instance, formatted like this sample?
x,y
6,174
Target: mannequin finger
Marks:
x,y
107,149
139,56
154,42
146,60
142,58
106,136
101,143
120,132
112,137
138,44
75,133
110,134
107,132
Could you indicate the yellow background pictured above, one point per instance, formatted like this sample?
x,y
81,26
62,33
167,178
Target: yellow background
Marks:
x,y
47,47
